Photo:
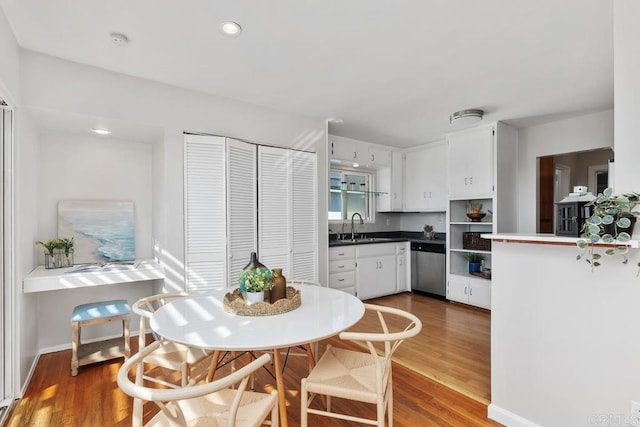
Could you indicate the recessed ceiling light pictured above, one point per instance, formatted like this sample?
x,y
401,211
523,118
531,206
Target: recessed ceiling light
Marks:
x,y
119,39
231,29
101,131
466,117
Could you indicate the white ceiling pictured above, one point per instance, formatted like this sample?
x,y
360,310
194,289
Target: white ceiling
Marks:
x,y
392,70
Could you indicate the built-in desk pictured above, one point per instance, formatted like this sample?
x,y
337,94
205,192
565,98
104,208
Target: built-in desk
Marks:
x,y
41,279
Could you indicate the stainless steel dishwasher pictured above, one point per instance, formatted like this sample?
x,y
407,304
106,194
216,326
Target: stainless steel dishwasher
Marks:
x,y
428,268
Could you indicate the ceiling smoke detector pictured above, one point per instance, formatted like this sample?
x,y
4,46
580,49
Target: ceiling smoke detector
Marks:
x,y
466,117
119,39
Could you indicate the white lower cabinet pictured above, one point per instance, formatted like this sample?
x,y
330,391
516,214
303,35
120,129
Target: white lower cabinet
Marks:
x,y
469,290
370,270
376,270
342,268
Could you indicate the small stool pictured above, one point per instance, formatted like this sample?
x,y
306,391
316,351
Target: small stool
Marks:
x,y
97,313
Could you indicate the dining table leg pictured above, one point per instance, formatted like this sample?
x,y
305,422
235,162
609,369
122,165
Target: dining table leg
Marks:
x,y
282,398
215,357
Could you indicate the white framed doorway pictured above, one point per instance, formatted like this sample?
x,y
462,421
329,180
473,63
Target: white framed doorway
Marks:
x,y
7,336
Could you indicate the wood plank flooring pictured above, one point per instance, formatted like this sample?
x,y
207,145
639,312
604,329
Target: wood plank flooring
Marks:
x,y
55,398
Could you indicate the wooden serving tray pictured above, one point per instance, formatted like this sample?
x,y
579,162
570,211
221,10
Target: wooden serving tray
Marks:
x,y
234,303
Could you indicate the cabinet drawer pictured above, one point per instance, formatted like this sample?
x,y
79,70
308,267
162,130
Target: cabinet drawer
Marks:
x,y
339,266
342,252
376,249
342,280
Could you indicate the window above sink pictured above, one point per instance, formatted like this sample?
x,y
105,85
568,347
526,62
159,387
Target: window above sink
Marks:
x,y
350,192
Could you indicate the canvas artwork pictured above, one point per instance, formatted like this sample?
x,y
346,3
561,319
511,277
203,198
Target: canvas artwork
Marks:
x,y
103,231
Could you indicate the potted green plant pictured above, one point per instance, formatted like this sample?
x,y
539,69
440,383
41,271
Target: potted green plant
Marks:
x,y
611,223
475,262
58,252
256,281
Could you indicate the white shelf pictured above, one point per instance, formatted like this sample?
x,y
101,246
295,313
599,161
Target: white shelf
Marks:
x,y
550,239
42,279
471,223
475,251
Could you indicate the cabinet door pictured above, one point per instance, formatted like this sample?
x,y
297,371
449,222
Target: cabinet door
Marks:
x,y
304,204
389,184
274,208
436,172
376,276
378,156
415,180
397,181
401,284
480,293
242,224
425,180
348,149
205,213
470,162
458,289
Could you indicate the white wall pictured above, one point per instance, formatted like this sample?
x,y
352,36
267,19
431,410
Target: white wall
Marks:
x,y
626,45
9,60
74,167
26,175
586,132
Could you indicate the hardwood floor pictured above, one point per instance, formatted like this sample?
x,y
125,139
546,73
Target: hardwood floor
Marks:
x,y
55,398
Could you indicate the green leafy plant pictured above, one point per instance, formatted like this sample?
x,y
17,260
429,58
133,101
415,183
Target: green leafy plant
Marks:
x,y
611,224
257,280
474,258
49,245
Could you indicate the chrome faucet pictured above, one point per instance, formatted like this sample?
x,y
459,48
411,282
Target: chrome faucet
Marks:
x,y
353,235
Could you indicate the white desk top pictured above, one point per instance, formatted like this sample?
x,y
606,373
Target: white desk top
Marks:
x,y
42,279
200,321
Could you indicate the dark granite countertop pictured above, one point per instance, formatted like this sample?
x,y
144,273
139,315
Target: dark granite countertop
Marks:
x,y
385,237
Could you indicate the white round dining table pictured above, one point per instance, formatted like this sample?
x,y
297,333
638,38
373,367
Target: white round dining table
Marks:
x,y
200,320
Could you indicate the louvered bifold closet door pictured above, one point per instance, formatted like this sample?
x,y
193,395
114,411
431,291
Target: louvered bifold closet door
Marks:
x,y
241,205
205,213
274,208
304,216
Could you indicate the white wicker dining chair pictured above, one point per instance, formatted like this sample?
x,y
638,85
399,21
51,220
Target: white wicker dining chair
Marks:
x,y
169,355
208,404
360,376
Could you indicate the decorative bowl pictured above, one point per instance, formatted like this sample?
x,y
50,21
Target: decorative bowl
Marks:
x,y
476,217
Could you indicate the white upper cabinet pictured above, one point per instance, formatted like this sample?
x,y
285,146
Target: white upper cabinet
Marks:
x,y
348,149
425,179
470,163
354,151
378,156
390,185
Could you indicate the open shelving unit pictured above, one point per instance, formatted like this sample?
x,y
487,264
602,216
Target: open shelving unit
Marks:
x,y
459,223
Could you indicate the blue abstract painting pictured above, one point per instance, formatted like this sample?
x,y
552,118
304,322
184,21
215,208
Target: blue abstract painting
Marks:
x,y
103,231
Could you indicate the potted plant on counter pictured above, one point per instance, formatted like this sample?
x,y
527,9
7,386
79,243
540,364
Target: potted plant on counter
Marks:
x,y
611,222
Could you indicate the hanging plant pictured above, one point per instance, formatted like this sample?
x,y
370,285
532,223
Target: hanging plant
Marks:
x,y
611,222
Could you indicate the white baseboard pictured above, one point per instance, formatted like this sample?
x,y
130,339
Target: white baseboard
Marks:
x,y
55,348
508,418
27,380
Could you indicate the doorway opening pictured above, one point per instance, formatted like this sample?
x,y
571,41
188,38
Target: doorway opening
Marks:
x,y
559,174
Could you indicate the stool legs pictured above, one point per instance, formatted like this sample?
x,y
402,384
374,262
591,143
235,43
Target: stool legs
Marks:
x,y
125,333
75,341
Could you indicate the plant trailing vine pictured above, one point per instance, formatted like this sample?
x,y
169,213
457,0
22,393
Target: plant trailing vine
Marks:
x,y
611,222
